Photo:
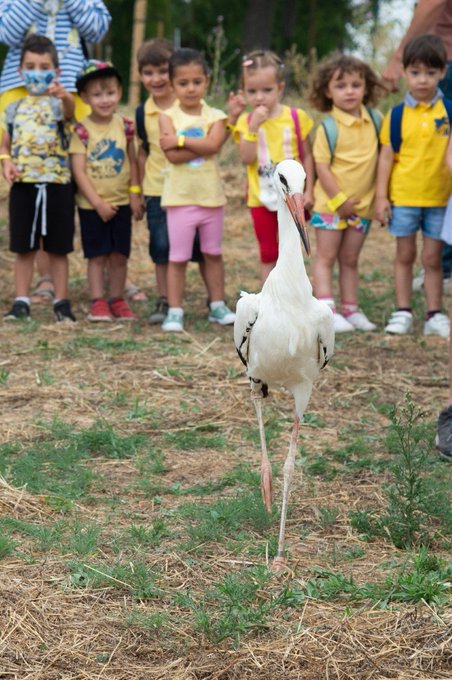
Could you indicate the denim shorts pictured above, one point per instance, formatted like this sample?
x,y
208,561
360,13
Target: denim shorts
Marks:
x,y
407,221
158,233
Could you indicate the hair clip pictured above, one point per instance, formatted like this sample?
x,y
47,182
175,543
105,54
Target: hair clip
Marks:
x,y
247,62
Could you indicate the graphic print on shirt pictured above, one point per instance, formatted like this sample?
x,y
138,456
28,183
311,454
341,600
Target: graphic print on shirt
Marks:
x,y
194,133
442,127
266,168
106,159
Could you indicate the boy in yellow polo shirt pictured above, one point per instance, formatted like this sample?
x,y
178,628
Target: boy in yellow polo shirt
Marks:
x,y
413,182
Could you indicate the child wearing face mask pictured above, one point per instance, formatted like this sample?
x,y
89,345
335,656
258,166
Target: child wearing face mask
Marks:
x,y
35,160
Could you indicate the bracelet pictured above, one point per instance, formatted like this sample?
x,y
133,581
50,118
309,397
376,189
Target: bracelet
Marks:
x,y
134,189
230,127
336,201
5,156
180,141
250,136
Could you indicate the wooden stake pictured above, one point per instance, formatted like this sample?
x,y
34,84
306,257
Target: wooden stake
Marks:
x,y
139,25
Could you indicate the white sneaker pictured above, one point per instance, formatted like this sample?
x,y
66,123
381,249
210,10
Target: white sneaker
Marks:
x,y
400,323
438,325
360,321
174,320
341,325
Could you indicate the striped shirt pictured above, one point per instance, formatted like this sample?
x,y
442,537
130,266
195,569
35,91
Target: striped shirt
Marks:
x,y
87,19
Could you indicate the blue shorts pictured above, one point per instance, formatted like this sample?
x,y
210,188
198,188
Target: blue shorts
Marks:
x,y
158,233
407,221
103,238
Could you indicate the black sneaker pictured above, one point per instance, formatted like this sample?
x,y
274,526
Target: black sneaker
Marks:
x,y
160,311
63,311
443,439
19,311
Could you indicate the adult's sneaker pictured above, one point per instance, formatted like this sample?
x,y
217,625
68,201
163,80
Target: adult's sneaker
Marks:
x,y
221,314
160,311
63,311
19,311
443,438
341,324
121,310
438,324
360,321
99,311
173,321
400,323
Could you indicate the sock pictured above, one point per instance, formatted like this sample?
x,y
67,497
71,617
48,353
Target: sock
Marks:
x,y
215,304
348,308
23,298
405,309
330,302
432,312
176,310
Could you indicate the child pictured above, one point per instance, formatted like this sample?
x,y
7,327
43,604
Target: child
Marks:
x,y
153,57
35,159
414,184
106,173
346,155
268,135
192,133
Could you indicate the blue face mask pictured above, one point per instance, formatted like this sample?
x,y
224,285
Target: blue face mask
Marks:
x,y
37,81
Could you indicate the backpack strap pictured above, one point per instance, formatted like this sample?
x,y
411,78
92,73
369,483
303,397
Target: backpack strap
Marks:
x,y
296,122
330,129
82,133
376,118
129,128
395,127
141,127
448,106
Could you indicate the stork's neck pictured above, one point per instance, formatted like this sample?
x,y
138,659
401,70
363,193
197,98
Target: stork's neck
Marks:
x,y
290,264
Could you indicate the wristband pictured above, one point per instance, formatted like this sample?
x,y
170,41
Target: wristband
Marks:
x,y
5,156
250,136
336,201
134,189
180,141
230,127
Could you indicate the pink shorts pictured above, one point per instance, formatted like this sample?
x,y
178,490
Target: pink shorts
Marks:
x,y
182,224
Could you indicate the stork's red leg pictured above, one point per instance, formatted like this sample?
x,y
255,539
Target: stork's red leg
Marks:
x,y
266,469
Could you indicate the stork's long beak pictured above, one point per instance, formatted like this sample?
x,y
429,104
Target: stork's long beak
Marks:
x,y
296,208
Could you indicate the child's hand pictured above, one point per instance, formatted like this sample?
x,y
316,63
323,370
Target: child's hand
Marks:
x,y
383,211
9,171
137,206
105,211
168,142
347,208
56,89
308,199
236,105
259,116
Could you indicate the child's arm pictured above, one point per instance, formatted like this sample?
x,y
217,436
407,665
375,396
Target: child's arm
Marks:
x,y
248,141
174,155
57,90
200,146
308,163
382,204
331,188
9,169
136,203
86,187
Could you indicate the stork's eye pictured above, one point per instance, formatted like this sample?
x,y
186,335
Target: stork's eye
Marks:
x,y
283,181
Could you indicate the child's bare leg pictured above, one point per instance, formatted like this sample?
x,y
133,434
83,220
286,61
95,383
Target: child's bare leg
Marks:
x,y
117,273
350,248
23,273
96,270
266,268
403,269
328,244
176,283
161,274
433,279
59,271
214,276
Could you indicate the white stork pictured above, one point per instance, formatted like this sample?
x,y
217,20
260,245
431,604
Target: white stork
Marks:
x,y
284,335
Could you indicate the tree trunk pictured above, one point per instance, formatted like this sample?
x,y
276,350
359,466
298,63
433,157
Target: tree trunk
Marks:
x,y
258,24
139,24
289,22
312,26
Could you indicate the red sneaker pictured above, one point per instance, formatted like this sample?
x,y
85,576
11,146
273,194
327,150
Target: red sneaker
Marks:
x,y
100,311
121,310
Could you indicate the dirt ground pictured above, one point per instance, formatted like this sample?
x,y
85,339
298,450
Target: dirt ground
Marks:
x,y
88,374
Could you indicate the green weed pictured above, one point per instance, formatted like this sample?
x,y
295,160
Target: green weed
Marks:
x,y
197,438
7,546
136,577
4,375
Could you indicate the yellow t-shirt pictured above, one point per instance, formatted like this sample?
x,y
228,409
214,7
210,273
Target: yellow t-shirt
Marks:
x,y
197,182
36,143
107,162
277,140
154,172
354,163
419,176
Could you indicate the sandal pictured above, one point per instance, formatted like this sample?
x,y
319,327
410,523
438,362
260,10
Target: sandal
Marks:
x,y
44,291
135,294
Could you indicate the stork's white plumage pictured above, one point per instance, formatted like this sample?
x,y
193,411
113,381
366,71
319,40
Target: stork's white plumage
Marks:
x,y
284,335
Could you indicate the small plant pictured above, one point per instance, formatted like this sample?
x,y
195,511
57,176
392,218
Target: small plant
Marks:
x,y
4,375
327,516
7,546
